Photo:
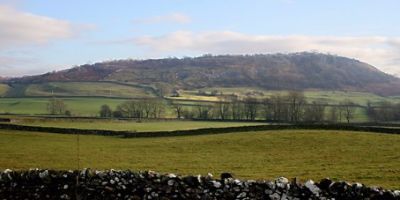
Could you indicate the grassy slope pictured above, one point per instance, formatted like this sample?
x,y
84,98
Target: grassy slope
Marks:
x,y
131,125
3,89
86,89
365,157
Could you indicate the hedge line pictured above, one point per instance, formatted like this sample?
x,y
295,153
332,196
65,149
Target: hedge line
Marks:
x,y
202,131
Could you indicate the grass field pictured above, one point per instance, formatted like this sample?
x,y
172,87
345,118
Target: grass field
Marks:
x,y
331,97
78,106
86,89
131,125
3,89
369,158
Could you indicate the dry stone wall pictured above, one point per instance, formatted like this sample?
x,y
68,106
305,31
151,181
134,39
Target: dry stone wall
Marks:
x,y
112,184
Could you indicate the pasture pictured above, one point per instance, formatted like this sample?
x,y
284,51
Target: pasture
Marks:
x,y
330,97
369,158
3,89
85,106
86,89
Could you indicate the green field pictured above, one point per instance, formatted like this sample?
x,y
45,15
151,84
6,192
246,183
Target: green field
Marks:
x,y
130,125
77,106
331,97
3,89
89,89
369,158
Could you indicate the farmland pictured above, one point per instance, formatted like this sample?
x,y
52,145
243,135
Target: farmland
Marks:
x,y
353,156
3,89
327,96
85,106
87,89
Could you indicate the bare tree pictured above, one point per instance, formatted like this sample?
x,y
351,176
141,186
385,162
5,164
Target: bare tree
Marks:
x,y
334,114
204,111
349,109
237,109
222,109
296,102
279,108
178,110
56,106
250,108
314,112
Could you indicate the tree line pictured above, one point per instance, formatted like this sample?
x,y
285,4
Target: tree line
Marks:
x,y
292,107
383,111
148,108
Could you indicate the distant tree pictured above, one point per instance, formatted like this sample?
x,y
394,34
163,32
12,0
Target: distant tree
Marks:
x,y
222,109
237,109
178,110
105,111
267,108
314,112
250,108
157,108
348,108
117,114
334,114
68,113
56,106
279,109
296,101
204,111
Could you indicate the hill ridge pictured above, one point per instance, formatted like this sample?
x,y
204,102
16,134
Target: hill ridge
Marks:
x,y
294,71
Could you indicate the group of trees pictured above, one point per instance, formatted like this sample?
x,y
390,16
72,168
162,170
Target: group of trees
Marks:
x,y
292,107
57,106
383,111
147,108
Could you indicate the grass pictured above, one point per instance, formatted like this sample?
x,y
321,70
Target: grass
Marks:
x,y
87,89
78,106
131,125
3,89
331,97
370,158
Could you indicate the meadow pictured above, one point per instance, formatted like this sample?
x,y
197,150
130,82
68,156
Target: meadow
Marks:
x,y
330,97
131,125
370,158
71,89
84,106
86,98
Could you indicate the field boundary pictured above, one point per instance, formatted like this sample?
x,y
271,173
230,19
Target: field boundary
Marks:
x,y
201,131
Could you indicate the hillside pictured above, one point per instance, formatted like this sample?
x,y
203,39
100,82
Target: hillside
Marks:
x,y
296,71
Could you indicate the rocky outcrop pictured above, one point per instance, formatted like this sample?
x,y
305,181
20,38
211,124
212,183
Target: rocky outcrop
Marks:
x,y
112,184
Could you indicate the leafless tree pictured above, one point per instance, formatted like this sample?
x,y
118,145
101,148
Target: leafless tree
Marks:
x,y
56,106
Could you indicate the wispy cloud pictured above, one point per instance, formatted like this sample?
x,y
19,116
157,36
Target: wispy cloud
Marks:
x,y
24,33
179,18
382,52
22,28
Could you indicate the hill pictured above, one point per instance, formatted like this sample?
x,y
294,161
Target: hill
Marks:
x,y
297,71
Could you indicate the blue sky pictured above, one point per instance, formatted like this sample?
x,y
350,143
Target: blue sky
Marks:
x,y
40,36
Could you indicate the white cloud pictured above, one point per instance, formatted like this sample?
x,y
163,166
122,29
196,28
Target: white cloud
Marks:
x,y
382,52
21,28
169,18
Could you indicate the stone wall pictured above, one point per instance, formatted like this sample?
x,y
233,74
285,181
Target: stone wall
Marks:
x,y
202,131
90,184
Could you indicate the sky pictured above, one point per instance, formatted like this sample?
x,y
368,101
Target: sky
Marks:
x,y
48,35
